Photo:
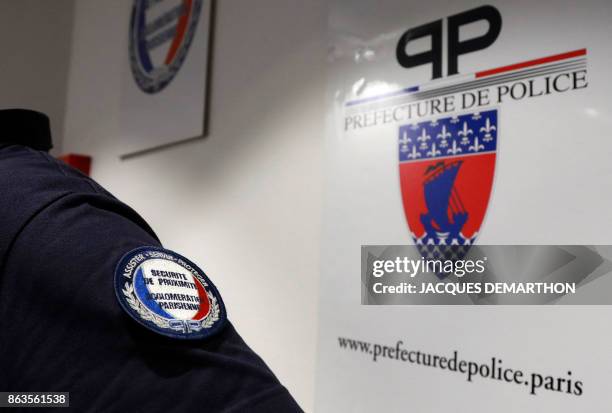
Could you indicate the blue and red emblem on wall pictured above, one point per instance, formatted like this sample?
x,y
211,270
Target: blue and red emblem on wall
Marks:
x,y
161,32
446,174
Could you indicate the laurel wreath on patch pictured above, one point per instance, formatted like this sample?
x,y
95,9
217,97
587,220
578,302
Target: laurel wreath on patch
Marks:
x,y
213,314
143,312
146,314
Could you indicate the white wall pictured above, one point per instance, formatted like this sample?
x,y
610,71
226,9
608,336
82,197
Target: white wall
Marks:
x,y
245,202
35,44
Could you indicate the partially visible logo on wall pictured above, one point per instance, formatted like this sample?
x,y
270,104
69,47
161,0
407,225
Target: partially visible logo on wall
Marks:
x,y
447,164
161,32
456,47
446,175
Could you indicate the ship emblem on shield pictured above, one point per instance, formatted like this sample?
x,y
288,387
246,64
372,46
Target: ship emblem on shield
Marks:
x,y
446,175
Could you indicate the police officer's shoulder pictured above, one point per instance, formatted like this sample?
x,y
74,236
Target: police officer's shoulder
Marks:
x,y
26,168
32,180
154,306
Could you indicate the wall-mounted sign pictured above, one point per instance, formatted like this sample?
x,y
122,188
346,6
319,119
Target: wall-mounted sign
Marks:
x,y
165,73
453,123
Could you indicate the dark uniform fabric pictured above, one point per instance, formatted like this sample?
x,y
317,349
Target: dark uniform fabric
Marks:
x,y
61,327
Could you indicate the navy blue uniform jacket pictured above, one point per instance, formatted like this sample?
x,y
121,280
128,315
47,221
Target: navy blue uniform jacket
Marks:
x,y
61,327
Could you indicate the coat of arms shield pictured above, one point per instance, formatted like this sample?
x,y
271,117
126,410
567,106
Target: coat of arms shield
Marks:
x,y
446,175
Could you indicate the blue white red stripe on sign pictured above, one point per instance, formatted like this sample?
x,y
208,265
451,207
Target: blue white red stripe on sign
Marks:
x,y
401,92
531,67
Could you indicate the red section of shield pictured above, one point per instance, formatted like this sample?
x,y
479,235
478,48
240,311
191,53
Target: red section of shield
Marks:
x,y
474,182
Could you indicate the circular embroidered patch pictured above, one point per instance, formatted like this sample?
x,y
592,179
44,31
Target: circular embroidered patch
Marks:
x,y
168,294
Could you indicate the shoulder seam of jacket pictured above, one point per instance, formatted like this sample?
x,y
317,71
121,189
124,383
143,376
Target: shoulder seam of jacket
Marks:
x,y
61,167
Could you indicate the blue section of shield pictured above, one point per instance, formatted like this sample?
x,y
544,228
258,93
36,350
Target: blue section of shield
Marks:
x,y
469,134
143,293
